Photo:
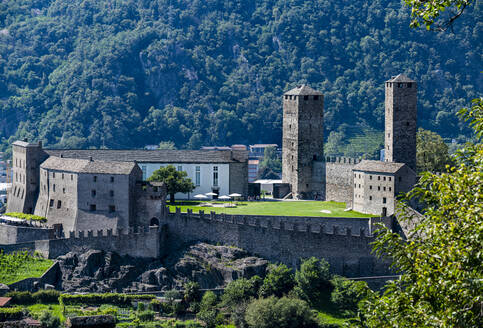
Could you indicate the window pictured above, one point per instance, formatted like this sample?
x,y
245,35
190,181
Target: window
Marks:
x,y
399,179
384,178
92,207
378,178
306,185
410,85
379,188
59,204
62,176
292,168
384,200
71,177
370,177
306,97
316,97
359,185
112,208
180,168
359,176
63,190
143,168
198,176
111,193
384,188
370,197
286,97
112,179
45,188
93,193
95,178
407,123
215,176
389,135
53,187
370,187
389,188
389,178
53,174
51,203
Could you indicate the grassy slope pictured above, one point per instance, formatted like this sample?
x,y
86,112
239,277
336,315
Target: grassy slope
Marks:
x,y
288,208
33,268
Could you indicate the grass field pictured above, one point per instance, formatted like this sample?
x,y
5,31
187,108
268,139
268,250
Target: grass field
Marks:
x,y
17,266
288,208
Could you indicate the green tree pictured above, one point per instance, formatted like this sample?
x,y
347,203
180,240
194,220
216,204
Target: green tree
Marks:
x,y
167,145
280,313
237,295
429,12
431,152
208,312
278,281
441,264
270,164
176,181
348,293
313,280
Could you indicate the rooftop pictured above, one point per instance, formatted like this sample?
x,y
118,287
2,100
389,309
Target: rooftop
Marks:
x,y
378,166
87,166
400,78
303,90
154,156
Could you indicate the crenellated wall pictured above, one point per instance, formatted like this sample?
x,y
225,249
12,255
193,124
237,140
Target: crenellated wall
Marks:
x,y
344,243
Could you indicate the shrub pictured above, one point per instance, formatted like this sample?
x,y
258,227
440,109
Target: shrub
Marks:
x,y
145,316
280,313
46,296
208,311
141,306
238,294
97,299
348,293
24,216
21,298
278,281
192,292
47,320
13,313
313,280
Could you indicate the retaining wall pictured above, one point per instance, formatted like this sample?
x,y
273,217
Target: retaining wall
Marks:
x,y
346,246
13,234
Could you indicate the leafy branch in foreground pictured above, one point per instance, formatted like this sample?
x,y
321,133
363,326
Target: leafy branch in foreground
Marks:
x,y
441,264
429,12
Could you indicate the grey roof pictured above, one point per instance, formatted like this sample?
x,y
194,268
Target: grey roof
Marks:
x,y
400,78
87,166
378,166
303,90
24,144
154,156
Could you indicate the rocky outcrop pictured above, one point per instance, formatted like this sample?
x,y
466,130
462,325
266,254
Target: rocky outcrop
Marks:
x,y
211,266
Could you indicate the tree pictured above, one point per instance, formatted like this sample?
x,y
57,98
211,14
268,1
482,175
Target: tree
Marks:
x,y
431,152
280,313
167,145
428,12
237,295
348,293
313,280
270,164
208,311
441,264
176,181
278,281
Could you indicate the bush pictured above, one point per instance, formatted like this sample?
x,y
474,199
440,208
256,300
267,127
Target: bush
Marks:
x,y
21,298
145,316
98,299
192,292
280,313
46,296
24,216
208,311
348,293
14,313
313,280
47,320
238,294
278,281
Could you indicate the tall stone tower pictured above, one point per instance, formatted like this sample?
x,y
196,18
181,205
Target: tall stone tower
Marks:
x,y
401,121
26,160
303,138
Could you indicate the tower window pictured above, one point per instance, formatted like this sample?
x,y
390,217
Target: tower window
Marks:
x,y
92,207
51,203
407,123
53,187
95,178
112,208
306,97
384,200
410,85
59,204
93,193
62,176
316,97
370,197
112,179
111,193
370,187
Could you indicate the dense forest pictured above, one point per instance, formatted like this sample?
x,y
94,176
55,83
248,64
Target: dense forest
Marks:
x,y
126,73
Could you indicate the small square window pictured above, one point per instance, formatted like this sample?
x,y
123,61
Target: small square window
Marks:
x,y
95,178
111,193
51,203
112,208
59,204
370,197
112,179
384,200
92,207
93,193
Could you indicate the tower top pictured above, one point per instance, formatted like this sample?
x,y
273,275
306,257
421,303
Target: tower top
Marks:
x,y
303,90
401,78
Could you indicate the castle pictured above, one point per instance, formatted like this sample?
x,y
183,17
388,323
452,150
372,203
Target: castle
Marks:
x,y
100,199
370,186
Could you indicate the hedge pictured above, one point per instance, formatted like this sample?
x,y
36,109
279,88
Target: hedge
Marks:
x,y
97,299
42,296
24,216
14,313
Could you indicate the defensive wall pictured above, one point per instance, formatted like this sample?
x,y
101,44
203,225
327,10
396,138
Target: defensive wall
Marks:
x,y
13,234
344,243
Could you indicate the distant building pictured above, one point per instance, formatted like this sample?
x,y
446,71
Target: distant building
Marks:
x,y
151,147
253,165
258,150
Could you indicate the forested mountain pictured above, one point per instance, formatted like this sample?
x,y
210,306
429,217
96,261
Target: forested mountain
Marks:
x,y
125,73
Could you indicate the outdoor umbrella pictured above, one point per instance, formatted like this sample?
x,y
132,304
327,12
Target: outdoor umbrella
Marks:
x,y
200,196
234,195
224,197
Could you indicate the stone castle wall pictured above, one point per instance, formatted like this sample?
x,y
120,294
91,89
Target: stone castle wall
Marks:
x,y
11,234
344,243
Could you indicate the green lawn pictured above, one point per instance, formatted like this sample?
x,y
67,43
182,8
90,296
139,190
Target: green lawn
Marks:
x,y
17,266
288,208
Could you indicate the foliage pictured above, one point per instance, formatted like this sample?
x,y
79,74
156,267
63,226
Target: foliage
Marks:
x,y
278,281
313,280
29,217
441,265
208,311
271,162
431,152
167,145
237,295
192,292
126,73
13,313
146,315
173,305
98,299
176,181
280,313
429,12
348,293
21,265
47,320
41,296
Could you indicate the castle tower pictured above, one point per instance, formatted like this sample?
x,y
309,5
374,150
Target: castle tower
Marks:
x,y
26,159
401,121
303,138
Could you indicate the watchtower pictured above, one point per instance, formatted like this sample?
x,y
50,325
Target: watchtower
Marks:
x,y
303,138
26,159
401,121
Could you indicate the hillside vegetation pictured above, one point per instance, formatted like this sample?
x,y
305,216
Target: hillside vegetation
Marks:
x,y
125,73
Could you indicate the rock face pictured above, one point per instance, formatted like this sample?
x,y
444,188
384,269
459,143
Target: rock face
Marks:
x,y
210,266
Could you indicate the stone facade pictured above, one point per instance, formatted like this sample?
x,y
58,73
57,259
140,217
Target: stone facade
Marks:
x,y
303,139
401,121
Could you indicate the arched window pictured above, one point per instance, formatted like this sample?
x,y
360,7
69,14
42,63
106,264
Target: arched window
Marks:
x,y
154,222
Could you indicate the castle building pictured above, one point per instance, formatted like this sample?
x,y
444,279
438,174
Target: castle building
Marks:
x,y
303,139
